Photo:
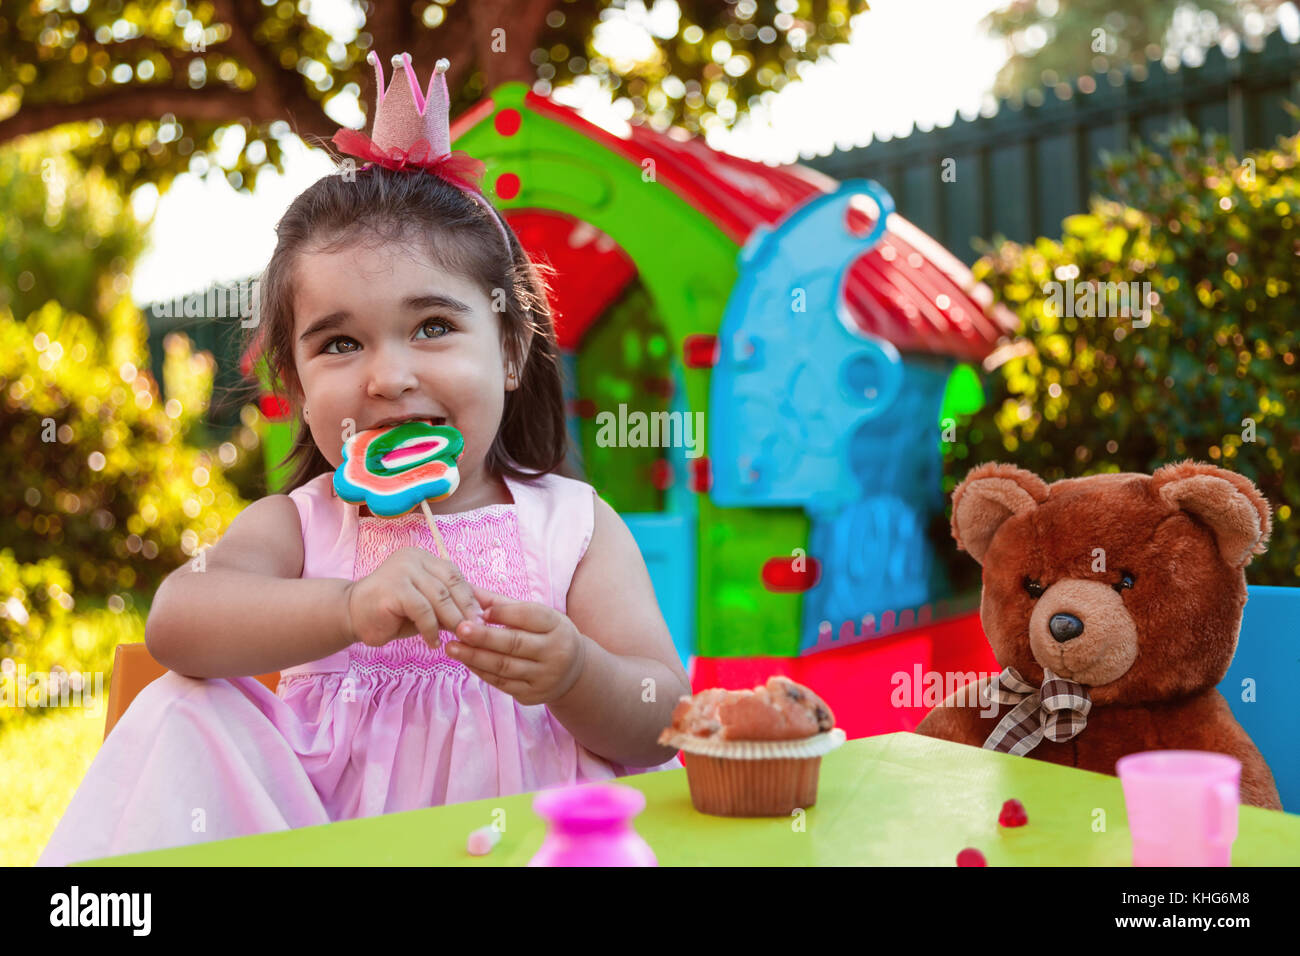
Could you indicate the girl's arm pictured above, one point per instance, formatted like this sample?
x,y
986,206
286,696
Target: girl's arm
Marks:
x,y
248,611
612,602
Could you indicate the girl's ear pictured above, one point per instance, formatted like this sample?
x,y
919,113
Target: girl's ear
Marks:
x,y
294,387
514,371
297,399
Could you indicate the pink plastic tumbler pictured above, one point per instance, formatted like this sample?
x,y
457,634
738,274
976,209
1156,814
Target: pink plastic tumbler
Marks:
x,y
1182,806
591,825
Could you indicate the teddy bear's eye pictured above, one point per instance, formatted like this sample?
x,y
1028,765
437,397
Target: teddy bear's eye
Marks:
x,y
1034,588
1126,581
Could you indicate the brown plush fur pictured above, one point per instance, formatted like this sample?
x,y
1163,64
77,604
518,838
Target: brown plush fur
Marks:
x,y
1151,655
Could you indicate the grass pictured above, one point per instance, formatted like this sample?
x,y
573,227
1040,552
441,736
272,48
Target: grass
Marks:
x,y
43,759
44,755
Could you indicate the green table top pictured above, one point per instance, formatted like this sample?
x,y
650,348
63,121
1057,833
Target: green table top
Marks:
x,y
897,800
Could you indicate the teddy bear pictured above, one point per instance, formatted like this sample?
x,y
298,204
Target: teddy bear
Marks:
x,y
1112,603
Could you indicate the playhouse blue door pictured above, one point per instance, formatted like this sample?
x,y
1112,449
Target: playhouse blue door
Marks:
x,y
667,542
667,539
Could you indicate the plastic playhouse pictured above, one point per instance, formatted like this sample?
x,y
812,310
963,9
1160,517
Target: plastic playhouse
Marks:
x,y
823,337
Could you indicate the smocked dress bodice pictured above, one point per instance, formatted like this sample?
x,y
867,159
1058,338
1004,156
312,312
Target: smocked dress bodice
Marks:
x,y
432,731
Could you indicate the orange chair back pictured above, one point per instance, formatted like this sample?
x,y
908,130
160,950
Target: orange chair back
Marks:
x,y
133,670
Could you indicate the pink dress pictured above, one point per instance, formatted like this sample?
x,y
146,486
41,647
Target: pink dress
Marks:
x,y
365,731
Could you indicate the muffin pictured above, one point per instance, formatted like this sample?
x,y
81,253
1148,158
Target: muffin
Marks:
x,y
753,753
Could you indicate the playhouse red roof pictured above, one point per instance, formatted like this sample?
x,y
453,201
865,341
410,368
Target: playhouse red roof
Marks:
x,y
908,290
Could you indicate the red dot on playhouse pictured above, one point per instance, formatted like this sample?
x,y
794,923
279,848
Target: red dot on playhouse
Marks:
x,y
507,186
1013,814
971,857
507,122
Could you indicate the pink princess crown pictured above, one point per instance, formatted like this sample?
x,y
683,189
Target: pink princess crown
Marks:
x,y
412,131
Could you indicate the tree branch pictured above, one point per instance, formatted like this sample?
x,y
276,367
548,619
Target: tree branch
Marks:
x,y
284,86
218,104
389,29
451,39
525,22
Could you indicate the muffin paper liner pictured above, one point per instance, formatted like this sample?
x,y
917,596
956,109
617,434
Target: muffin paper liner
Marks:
x,y
752,788
814,746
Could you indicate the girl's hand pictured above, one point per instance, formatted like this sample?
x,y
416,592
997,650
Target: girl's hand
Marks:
x,y
535,658
412,592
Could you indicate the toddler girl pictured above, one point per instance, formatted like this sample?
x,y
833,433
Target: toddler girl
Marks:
x,y
534,656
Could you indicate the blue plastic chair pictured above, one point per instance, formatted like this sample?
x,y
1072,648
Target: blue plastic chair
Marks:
x,y
1268,652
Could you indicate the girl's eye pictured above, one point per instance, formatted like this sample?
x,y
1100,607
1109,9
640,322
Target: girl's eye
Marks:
x,y
439,323
340,338
1034,588
1126,581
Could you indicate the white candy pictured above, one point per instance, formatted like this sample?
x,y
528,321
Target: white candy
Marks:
x,y
482,840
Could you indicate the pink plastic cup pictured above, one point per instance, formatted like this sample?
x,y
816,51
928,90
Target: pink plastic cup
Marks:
x,y
591,825
1182,806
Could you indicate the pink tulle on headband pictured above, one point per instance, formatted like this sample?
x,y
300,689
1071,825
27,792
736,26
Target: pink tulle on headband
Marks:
x,y
456,167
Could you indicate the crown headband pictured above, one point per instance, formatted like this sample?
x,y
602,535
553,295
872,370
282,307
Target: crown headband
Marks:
x,y
412,131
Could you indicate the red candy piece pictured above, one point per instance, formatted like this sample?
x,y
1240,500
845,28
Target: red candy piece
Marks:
x,y
971,857
1013,814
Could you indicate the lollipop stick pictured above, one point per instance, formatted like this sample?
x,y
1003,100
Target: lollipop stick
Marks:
x,y
428,516
442,549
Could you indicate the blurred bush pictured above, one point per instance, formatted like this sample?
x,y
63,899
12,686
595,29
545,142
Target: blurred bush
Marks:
x,y
98,471
66,234
1214,376
65,653
102,494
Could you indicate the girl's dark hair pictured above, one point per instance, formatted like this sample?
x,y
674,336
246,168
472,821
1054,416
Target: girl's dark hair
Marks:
x,y
459,235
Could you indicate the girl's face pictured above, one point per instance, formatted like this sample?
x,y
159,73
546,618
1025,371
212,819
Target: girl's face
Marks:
x,y
380,332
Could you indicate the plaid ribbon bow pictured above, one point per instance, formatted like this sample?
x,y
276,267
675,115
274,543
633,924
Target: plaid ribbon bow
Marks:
x,y
1057,710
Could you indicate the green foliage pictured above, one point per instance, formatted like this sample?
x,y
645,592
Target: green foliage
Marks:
x,y
717,64
154,86
1055,41
58,64
96,466
58,653
65,234
1215,375
102,494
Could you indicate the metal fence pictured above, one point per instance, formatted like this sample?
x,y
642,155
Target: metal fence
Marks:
x,y
213,333
1021,171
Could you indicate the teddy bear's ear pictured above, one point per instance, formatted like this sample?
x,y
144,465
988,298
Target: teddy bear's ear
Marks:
x,y
1228,503
991,494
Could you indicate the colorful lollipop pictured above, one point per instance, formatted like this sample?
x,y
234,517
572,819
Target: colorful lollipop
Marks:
x,y
394,469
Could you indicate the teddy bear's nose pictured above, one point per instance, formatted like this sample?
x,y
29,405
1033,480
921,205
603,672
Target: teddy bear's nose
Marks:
x,y
1065,627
